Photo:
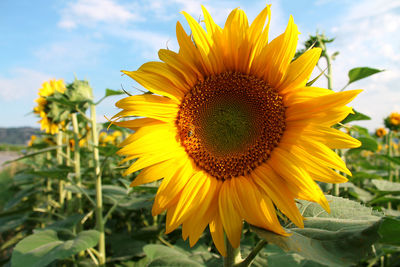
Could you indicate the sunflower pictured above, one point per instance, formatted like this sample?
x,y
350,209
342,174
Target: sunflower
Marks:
x,y
42,109
232,129
380,132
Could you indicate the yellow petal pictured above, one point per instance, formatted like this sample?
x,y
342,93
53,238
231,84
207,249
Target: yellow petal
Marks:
x,y
217,234
253,206
177,62
152,106
321,103
273,61
277,189
300,182
230,218
204,44
189,51
157,84
299,71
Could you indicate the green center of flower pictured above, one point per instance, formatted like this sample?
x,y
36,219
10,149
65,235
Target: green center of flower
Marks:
x,y
226,128
230,123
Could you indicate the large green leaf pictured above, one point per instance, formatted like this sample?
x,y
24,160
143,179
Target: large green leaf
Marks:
x,y
340,238
386,186
357,116
367,143
34,153
390,231
357,192
393,159
361,73
11,222
159,255
59,172
42,248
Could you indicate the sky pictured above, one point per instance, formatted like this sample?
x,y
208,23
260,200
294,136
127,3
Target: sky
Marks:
x,y
96,39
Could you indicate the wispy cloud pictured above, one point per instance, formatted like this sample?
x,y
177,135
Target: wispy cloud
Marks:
x,y
21,83
91,12
369,37
70,54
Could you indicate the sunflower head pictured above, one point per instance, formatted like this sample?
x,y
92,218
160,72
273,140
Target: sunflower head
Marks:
x,y
232,128
380,132
32,140
392,122
47,109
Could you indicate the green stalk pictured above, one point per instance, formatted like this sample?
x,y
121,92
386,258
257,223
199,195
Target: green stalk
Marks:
x,y
249,259
48,184
61,193
233,256
389,153
336,191
99,197
77,159
68,163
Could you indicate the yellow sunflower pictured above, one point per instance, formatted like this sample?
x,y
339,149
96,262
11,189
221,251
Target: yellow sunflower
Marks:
x,y
232,128
48,89
380,132
395,118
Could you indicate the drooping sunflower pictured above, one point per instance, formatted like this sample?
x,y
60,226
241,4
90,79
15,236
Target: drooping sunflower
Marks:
x,y
42,109
232,128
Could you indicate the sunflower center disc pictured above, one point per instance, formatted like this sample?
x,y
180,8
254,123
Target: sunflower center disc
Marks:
x,y
230,123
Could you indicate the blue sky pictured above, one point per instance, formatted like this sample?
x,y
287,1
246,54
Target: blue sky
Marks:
x,y
95,39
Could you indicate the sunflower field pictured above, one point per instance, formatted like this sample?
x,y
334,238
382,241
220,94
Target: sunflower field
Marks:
x,y
230,157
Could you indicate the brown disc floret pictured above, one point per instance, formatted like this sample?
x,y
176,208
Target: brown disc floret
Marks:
x,y
230,123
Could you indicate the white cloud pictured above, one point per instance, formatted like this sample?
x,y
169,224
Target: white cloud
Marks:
x,y
366,35
70,54
91,12
22,83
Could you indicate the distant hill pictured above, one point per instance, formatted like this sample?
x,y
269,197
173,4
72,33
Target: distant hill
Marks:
x,y
17,136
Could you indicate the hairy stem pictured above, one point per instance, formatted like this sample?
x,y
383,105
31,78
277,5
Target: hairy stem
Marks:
x,y
233,256
77,159
99,197
249,259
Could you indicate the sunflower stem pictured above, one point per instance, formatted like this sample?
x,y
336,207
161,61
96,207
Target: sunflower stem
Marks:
x,y
68,162
336,191
59,157
249,259
48,184
233,256
99,197
77,159
389,153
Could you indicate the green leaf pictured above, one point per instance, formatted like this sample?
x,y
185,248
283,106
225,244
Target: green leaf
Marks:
x,y
59,172
159,255
12,222
42,248
34,153
361,73
110,92
367,143
357,192
357,116
386,186
360,130
276,257
119,248
390,231
340,238
395,159
136,203
67,223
